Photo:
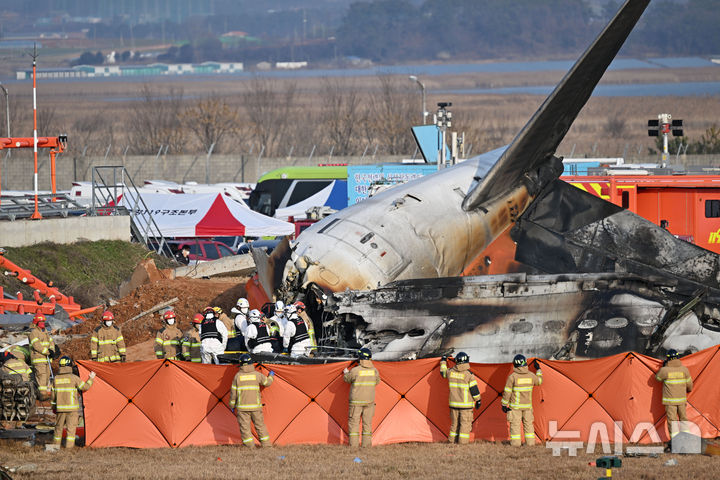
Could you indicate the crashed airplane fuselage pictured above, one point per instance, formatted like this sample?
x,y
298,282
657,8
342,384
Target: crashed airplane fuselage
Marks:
x,y
495,317
436,226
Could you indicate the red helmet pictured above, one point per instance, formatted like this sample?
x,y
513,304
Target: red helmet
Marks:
x,y
108,315
198,318
38,318
168,315
299,305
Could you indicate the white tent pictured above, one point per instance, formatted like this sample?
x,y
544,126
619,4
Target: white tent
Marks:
x,y
205,215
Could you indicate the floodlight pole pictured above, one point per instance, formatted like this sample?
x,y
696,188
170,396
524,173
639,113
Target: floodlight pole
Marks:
x,y
7,108
443,120
415,79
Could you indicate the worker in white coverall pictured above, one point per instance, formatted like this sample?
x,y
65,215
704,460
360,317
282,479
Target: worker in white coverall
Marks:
x,y
278,321
241,310
257,335
296,337
213,337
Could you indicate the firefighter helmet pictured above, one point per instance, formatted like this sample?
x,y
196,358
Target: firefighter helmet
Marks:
x,y
65,361
279,306
300,306
672,354
519,361
290,309
168,315
198,318
38,318
462,357
364,354
255,316
218,311
245,359
108,315
242,303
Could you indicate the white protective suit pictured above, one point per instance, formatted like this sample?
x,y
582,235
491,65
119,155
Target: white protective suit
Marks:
x,y
279,321
298,348
251,334
241,323
210,348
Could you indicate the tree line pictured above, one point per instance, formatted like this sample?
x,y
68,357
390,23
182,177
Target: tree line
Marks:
x,y
410,30
391,30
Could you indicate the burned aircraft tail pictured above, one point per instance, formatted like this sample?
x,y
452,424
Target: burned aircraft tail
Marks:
x,y
537,141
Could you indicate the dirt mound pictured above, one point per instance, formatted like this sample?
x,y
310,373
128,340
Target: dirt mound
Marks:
x,y
193,296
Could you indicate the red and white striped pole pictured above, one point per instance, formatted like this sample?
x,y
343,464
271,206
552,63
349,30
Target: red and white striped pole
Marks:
x,y
36,214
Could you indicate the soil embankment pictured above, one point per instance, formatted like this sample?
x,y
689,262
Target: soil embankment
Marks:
x,y
92,273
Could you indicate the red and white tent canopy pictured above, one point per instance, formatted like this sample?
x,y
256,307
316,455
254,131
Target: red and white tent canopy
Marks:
x,y
205,215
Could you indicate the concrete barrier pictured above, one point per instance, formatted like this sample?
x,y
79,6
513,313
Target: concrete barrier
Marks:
x,y
21,233
238,264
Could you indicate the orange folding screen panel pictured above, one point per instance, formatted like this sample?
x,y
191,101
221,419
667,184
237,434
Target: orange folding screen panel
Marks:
x,y
174,404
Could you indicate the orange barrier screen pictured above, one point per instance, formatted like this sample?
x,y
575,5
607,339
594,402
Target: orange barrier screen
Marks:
x,y
175,404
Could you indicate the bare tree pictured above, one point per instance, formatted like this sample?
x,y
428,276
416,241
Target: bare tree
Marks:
x,y
341,114
268,105
47,122
390,116
211,119
94,131
155,121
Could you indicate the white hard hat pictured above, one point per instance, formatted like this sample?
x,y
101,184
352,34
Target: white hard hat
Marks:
x,y
279,306
290,309
242,303
255,315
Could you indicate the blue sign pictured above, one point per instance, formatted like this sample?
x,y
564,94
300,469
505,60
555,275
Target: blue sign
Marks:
x,y
428,140
361,177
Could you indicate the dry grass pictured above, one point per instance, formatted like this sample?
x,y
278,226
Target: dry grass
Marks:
x,y
479,460
94,115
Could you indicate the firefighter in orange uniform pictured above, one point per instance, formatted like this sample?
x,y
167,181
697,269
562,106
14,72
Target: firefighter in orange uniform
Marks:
x,y
65,401
42,349
677,382
246,401
191,341
168,339
363,379
107,343
517,400
464,395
